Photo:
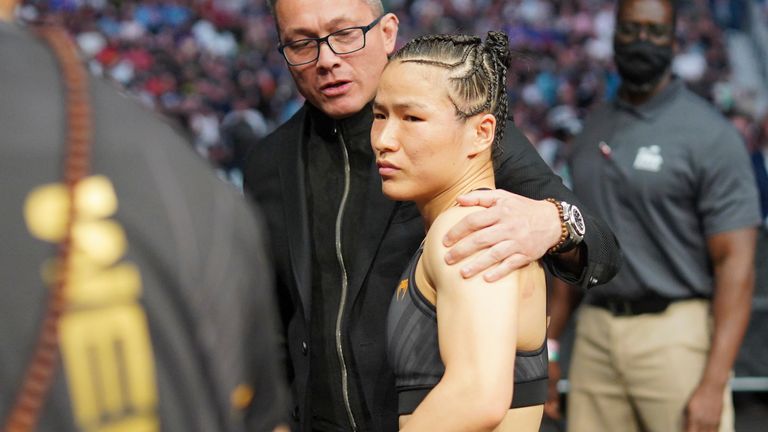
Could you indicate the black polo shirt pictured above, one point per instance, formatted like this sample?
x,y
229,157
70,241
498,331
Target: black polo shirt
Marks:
x,y
664,175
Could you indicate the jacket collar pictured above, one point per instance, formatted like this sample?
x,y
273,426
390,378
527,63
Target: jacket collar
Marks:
x,y
356,127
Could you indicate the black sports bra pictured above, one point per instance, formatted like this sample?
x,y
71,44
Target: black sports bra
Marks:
x,y
414,354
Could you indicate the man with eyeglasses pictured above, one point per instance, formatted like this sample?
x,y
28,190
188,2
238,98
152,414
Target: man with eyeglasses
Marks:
x,y
655,346
339,245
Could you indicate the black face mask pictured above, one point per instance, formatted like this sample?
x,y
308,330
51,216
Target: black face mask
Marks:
x,y
641,64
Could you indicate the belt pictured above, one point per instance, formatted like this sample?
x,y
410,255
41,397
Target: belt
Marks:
x,y
645,305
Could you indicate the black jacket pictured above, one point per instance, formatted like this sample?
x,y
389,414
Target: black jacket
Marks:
x,y
275,177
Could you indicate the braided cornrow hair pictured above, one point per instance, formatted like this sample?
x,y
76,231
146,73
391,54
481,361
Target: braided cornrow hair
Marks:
x,y
477,72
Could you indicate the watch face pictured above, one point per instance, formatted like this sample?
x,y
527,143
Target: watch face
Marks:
x,y
578,220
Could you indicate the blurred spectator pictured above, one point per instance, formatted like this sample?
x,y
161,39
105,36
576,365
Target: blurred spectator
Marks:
x,y
215,52
240,128
563,124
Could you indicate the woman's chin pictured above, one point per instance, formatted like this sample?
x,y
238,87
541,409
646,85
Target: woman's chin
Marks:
x,y
396,195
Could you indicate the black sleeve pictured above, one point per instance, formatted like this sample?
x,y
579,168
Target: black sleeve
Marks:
x,y
520,170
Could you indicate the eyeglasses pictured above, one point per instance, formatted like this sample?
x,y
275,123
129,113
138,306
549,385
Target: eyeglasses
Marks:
x,y
631,30
344,41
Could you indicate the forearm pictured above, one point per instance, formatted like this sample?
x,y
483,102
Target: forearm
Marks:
x,y
731,305
563,298
732,255
456,406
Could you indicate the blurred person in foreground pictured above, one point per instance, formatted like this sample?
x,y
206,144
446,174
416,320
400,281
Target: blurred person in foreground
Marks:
x,y
159,314
655,346
340,245
468,354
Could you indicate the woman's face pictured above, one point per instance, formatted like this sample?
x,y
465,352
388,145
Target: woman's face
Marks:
x,y
421,146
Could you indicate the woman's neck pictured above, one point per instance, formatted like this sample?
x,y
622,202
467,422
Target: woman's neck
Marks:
x,y
432,208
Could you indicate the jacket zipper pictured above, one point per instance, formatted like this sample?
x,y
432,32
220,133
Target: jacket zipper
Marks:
x,y
344,282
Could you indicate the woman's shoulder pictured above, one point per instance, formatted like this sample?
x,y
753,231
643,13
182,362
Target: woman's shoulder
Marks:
x,y
434,249
450,217
445,221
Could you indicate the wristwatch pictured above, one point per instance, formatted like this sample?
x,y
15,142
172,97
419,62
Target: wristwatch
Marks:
x,y
572,226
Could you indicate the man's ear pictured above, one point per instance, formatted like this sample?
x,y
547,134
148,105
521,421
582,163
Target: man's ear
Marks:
x,y
482,128
389,27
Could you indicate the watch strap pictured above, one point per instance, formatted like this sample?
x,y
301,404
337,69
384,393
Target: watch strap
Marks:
x,y
564,234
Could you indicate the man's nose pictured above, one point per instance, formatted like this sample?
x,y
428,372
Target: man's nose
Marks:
x,y
326,58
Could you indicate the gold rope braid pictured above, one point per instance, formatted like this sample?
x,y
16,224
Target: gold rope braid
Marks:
x,y
39,375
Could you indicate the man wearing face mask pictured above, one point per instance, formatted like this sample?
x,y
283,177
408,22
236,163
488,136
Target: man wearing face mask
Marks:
x,y
655,346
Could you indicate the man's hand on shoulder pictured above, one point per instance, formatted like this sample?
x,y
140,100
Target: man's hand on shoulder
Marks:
x,y
513,231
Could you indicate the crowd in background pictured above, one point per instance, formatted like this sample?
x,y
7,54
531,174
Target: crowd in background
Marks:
x,y
213,66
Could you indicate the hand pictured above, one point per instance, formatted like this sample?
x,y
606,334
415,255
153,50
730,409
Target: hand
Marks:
x,y
552,406
514,231
702,414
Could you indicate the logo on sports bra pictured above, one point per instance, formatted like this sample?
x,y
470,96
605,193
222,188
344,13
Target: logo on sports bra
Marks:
x,y
402,289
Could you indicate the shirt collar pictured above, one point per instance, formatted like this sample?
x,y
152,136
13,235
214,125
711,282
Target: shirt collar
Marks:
x,y
657,103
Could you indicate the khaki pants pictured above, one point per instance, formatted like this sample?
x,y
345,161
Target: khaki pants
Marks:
x,y
637,373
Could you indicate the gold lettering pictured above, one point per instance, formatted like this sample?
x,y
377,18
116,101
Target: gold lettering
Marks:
x,y
104,337
108,362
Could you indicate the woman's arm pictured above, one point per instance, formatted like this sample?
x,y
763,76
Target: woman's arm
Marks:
x,y
477,331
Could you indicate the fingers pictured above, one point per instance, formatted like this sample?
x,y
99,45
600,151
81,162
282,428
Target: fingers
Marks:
x,y
703,426
492,256
507,266
694,426
552,405
485,198
497,262
690,424
552,409
471,223
701,422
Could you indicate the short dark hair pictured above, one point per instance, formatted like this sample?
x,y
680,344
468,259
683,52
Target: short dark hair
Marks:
x,y
477,72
